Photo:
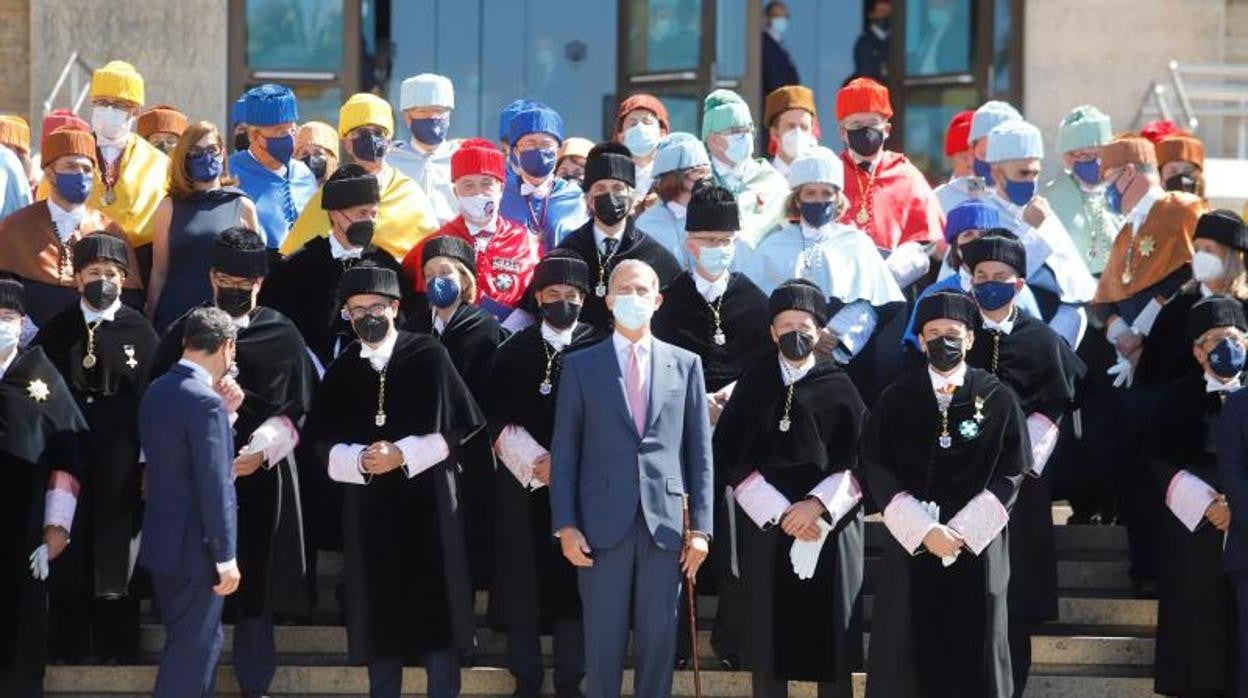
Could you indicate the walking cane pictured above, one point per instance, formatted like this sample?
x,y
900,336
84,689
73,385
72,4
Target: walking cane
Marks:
x,y
691,591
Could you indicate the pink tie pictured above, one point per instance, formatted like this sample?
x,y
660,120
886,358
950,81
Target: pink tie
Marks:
x,y
635,389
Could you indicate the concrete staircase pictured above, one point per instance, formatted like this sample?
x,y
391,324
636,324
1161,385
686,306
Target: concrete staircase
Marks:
x,y
1101,645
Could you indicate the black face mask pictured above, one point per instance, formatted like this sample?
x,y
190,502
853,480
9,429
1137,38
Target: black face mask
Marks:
x,y
318,164
371,330
945,353
796,346
236,302
611,207
1181,182
865,141
360,233
561,314
241,142
101,293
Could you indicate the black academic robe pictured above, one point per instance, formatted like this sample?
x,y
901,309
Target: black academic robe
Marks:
x,y
1196,619
278,378
688,321
41,430
533,584
1167,354
407,583
634,244
109,510
800,630
941,632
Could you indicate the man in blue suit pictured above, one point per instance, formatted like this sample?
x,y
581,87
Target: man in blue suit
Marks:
x,y
190,526
631,441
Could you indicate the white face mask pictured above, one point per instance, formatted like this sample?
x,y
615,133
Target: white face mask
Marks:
x,y
740,145
1206,266
641,139
109,122
10,332
797,142
479,208
632,311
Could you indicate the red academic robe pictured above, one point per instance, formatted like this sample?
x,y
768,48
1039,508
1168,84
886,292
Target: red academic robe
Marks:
x,y
902,207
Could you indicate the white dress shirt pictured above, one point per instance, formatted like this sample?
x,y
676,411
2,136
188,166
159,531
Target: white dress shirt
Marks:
x,y
710,290
91,315
791,374
379,356
340,252
1006,326
600,237
65,221
559,339
941,383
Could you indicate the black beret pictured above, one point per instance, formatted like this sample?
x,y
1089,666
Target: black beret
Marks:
x,y
240,252
349,185
946,305
449,246
995,245
1223,226
1212,312
12,295
101,246
799,294
610,160
712,208
367,277
561,267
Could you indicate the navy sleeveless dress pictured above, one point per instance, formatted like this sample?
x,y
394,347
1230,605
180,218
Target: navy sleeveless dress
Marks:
x,y
192,233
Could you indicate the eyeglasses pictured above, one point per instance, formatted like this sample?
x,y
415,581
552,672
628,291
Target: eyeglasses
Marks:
x,y
196,151
374,310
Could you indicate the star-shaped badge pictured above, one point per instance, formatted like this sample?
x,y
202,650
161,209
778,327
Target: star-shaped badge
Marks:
x,y
38,390
1148,245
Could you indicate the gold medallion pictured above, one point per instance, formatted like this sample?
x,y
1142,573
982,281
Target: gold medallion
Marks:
x,y
1126,277
862,216
1148,245
88,361
109,197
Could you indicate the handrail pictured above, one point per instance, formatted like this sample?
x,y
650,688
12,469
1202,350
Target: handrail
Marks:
x,y
1192,94
74,61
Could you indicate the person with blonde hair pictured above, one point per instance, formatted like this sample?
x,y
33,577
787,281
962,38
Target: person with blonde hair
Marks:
x,y
316,145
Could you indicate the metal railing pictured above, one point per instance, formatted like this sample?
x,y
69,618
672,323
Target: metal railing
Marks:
x,y
77,73
1209,99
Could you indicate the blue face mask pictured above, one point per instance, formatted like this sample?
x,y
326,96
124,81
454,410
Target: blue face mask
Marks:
x,y
993,295
443,291
280,148
538,162
74,187
984,170
203,167
740,147
817,213
1019,193
1227,358
716,260
1113,198
1088,170
369,147
430,131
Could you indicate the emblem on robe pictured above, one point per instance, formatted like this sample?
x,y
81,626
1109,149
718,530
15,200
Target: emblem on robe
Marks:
x,y
38,390
1148,245
504,282
969,429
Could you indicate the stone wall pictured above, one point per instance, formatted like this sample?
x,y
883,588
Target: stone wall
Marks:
x,y
15,56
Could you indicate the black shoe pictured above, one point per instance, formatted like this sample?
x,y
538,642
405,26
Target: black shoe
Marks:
x,y
730,662
573,692
682,662
1078,520
521,693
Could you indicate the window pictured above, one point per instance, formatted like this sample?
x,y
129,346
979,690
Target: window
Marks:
x,y
666,35
295,35
938,37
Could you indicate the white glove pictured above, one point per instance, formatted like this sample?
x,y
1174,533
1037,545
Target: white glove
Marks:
x,y
39,563
1123,372
934,509
805,554
262,439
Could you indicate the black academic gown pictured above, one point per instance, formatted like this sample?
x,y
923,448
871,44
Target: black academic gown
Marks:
x,y
407,583
278,379
634,244
799,630
41,430
1167,354
941,632
1196,619
533,584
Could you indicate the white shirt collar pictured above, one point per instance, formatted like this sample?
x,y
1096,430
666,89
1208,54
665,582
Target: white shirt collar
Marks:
x,y
380,356
1205,291
940,383
540,191
600,235
4,365
242,322
678,211
65,222
559,339
1213,384
710,290
91,315
200,373
475,230
1142,207
811,233
1006,326
439,325
622,344
727,171
340,252
790,374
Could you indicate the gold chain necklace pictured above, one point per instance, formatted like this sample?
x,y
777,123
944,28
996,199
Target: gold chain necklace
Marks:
x,y
380,419
547,387
89,361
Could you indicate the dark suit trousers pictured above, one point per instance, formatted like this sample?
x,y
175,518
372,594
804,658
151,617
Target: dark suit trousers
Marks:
x,y
524,656
255,654
191,614
636,568
385,676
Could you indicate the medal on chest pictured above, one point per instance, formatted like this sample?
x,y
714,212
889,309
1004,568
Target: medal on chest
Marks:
x,y
131,361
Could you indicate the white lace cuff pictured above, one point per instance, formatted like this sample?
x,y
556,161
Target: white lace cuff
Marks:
x,y
1043,433
344,464
421,453
58,509
1188,497
980,521
275,438
518,450
909,521
908,262
839,493
762,502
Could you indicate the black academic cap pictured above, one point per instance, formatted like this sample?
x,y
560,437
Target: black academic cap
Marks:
x,y
1213,312
240,252
1223,226
349,185
995,245
367,277
450,246
610,160
946,305
561,267
12,295
799,294
712,208
101,246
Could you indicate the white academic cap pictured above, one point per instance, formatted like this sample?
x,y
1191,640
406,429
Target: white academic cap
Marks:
x,y
427,90
989,115
679,151
1014,140
819,164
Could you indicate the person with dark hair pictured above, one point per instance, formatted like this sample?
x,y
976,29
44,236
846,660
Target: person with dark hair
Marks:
x,y
277,376
871,47
778,68
41,465
190,523
641,121
104,352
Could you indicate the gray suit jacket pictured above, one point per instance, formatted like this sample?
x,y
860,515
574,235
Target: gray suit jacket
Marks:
x,y
601,471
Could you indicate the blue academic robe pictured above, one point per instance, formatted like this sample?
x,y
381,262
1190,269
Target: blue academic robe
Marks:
x,y
278,199
553,218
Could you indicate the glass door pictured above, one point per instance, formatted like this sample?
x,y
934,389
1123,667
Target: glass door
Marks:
x,y
667,48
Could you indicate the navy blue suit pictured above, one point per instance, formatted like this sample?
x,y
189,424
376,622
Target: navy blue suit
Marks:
x,y
190,523
1232,450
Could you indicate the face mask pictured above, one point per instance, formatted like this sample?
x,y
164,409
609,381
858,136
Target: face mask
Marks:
x,y
10,332
369,147
993,295
817,213
796,346
236,302
74,187
432,130
318,164
573,179
360,233
101,293
641,139
371,330
632,312
241,142
865,141
1227,358
1181,182
779,25
203,167
1113,198
716,260
944,353
280,148
443,291
1206,266
797,142
561,314
1019,193
740,147
610,207
479,208
538,162
1088,170
984,171
109,122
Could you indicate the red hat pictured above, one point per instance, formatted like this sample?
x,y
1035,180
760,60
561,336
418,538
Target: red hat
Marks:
x,y
863,95
642,101
957,137
63,117
1159,129
478,156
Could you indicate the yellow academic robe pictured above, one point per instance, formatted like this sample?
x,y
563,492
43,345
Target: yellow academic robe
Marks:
x,y
142,182
404,218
